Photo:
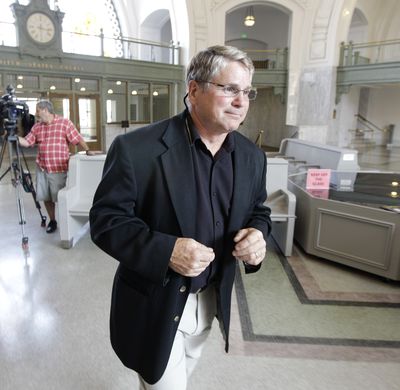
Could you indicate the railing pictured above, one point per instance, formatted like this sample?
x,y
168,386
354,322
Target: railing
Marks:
x,y
121,47
8,35
103,46
371,128
268,59
258,140
369,52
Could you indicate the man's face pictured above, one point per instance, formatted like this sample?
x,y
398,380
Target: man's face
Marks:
x,y
41,115
214,112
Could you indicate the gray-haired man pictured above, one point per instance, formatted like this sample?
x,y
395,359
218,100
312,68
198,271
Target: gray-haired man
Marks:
x,y
53,134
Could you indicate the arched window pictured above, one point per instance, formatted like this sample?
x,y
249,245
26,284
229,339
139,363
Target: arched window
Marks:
x,y
83,23
8,35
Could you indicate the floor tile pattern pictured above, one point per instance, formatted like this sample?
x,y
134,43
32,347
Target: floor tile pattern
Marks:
x,y
270,310
299,324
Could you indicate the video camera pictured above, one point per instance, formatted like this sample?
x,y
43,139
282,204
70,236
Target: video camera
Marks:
x,y
14,114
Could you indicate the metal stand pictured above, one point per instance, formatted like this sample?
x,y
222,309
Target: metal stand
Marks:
x,y
20,180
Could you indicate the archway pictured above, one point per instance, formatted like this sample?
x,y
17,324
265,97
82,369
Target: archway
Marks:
x,y
358,31
262,41
156,27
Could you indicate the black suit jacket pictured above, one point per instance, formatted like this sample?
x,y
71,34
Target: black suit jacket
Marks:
x,y
144,202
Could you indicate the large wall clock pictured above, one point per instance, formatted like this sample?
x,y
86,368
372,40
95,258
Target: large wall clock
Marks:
x,y
40,27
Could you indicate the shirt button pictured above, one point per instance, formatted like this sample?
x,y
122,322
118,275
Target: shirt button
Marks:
x,y
214,194
218,223
182,289
176,318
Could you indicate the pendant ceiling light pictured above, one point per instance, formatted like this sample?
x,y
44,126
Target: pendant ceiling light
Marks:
x,y
249,19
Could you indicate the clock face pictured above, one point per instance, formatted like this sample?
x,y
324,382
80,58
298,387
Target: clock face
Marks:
x,y
40,27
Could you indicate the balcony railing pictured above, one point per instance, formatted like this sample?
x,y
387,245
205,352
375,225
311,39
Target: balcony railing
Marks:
x,y
369,52
269,59
103,46
121,47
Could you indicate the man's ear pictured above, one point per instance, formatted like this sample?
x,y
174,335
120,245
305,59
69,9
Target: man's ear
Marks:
x,y
193,88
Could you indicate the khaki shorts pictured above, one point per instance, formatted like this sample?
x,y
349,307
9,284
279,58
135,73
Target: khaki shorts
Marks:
x,y
48,185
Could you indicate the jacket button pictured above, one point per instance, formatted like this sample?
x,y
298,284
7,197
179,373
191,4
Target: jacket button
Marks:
x,y
176,318
182,289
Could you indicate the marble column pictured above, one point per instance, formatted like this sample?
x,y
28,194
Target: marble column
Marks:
x,y
316,94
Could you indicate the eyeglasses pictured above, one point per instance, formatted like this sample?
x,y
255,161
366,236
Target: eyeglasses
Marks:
x,y
231,91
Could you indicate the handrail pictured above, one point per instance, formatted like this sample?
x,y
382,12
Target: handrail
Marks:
x,y
364,53
264,50
372,43
133,48
268,58
258,140
125,39
127,47
367,122
370,124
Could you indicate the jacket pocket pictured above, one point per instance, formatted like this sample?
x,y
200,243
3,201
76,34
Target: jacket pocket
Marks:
x,y
135,282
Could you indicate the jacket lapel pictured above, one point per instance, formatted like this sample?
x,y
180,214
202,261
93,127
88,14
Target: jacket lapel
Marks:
x,y
179,174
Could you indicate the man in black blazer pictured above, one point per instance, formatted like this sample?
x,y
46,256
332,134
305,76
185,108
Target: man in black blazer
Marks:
x,y
179,205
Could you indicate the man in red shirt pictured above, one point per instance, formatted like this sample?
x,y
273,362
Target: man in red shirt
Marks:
x,y
53,134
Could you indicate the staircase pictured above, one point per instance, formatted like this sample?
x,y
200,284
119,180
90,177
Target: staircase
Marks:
x,y
361,139
365,138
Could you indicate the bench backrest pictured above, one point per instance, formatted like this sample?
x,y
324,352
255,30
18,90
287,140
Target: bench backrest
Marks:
x,y
325,156
85,172
277,174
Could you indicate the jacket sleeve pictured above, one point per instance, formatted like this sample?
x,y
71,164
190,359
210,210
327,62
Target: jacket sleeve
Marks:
x,y
260,215
115,226
260,218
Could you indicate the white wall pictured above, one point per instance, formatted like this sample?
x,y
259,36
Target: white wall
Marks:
x,y
383,109
345,119
316,28
271,27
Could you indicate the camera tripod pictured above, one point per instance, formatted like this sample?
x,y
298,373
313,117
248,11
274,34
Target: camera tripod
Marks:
x,y
20,179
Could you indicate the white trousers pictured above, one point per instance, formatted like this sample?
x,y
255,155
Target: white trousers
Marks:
x,y
193,330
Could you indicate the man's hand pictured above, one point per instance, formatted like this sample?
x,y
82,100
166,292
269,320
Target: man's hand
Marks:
x,y
250,246
23,142
190,258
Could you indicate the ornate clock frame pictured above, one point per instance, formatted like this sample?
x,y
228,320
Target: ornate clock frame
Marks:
x,y
41,47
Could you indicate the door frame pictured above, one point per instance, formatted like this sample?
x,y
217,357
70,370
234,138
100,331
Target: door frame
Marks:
x,y
74,114
96,143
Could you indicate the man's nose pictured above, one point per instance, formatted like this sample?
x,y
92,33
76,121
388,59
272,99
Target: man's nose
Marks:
x,y
240,98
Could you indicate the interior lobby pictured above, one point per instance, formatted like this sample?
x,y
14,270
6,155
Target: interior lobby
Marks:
x,y
326,71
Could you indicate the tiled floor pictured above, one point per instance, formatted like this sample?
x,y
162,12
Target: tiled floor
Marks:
x,y
328,320
301,323
380,158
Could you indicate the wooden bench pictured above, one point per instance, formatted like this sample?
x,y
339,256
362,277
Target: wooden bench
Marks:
x,y
282,203
75,199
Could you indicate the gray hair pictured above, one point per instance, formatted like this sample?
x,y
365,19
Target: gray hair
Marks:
x,y
209,62
45,105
